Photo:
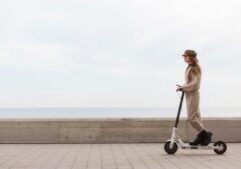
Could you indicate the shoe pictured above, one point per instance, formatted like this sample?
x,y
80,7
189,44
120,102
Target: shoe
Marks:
x,y
197,141
206,138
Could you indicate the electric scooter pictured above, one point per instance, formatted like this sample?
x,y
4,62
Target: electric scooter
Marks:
x,y
176,142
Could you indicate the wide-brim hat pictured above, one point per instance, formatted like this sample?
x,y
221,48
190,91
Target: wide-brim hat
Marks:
x,y
190,53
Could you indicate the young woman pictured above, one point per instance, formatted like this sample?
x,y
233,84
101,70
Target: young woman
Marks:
x,y
191,89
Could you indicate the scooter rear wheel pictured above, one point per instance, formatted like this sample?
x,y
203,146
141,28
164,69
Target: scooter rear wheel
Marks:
x,y
171,150
222,149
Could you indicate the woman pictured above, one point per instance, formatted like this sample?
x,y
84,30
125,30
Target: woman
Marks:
x,y
191,89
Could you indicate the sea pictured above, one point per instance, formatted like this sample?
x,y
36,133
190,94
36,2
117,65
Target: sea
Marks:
x,y
133,112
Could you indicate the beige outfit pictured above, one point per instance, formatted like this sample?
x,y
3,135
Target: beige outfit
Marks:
x,y
191,86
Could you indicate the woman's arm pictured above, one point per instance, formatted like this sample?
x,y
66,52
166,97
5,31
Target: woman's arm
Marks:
x,y
194,82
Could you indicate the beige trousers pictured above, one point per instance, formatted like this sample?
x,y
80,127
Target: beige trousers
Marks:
x,y
193,111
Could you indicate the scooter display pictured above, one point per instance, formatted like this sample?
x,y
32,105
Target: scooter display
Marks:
x,y
171,146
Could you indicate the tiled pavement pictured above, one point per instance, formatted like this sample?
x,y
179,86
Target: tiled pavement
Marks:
x,y
114,156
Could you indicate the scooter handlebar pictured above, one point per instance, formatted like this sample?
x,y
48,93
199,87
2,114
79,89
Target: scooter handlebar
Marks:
x,y
179,86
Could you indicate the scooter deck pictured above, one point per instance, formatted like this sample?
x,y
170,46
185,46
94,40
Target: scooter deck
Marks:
x,y
199,147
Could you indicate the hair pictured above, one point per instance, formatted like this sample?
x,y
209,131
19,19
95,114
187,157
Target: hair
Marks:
x,y
195,62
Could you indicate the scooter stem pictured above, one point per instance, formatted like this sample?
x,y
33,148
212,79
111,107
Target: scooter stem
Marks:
x,y
179,109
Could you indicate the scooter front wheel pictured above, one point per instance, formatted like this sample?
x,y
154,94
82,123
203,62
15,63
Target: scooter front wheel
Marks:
x,y
222,147
169,149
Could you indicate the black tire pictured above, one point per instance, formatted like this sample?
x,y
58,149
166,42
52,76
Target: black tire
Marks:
x,y
222,149
170,150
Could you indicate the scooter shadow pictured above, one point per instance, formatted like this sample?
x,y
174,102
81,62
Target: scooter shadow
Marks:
x,y
192,155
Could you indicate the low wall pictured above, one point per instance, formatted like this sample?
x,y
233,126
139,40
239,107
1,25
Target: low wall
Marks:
x,y
110,130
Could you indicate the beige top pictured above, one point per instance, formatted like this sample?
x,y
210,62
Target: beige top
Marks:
x,y
192,79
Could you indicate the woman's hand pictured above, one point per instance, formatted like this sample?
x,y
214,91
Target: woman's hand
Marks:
x,y
179,88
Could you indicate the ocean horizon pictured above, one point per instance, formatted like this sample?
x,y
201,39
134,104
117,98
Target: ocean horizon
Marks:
x,y
123,112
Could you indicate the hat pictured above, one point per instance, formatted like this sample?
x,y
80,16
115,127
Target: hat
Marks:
x,y
191,53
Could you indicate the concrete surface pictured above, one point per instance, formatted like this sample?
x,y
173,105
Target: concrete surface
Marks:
x,y
131,130
113,156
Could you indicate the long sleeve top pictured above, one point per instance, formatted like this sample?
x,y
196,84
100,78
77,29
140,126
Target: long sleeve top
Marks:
x,y
192,79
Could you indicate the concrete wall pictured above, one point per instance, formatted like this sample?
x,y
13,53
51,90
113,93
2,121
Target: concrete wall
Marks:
x,y
109,130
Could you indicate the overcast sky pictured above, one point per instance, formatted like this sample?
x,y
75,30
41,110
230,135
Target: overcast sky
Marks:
x,y
117,53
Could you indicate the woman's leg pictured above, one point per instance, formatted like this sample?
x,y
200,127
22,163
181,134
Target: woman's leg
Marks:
x,y
194,117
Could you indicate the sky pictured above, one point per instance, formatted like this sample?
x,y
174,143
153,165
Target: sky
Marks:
x,y
117,53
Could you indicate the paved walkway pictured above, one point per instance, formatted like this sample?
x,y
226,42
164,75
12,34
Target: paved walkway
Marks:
x,y
113,156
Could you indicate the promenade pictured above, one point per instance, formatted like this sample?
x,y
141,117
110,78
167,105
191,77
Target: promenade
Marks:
x,y
114,156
